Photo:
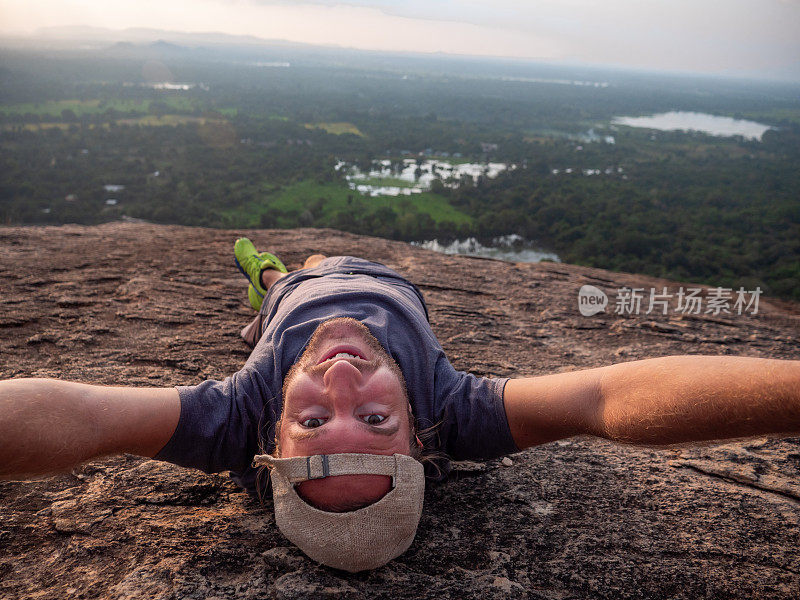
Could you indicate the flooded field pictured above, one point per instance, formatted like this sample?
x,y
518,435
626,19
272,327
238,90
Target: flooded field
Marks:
x,y
411,176
512,248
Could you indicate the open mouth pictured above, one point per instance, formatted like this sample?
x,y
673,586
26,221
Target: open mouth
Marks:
x,y
341,352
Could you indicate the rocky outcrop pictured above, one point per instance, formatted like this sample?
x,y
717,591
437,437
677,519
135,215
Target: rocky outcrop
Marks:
x,y
150,305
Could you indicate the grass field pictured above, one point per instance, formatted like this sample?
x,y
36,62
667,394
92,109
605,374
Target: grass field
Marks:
x,y
386,181
145,121
336,128
55,108
154,121
38,126
297,197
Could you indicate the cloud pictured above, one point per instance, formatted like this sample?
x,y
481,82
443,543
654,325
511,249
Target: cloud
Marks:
x,y
579,22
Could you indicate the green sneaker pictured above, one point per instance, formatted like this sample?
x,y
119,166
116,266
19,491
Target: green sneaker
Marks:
x,y
250,262
254,297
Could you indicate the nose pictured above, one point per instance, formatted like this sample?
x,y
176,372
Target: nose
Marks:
x,y
342,378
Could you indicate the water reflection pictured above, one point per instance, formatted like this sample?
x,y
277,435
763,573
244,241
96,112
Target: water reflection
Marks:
x,y
694,121
410,176
513,248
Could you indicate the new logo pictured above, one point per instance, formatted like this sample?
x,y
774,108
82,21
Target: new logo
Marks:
x,y
591,300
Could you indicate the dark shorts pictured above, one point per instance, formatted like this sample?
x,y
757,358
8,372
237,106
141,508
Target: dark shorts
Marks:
x,y
330,265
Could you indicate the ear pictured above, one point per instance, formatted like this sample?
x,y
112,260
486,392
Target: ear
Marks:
x,y
419,441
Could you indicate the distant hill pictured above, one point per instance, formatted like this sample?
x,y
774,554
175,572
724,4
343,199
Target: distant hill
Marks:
x,y
138,35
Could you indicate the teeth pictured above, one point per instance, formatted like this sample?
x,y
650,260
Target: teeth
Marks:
x,y
343,355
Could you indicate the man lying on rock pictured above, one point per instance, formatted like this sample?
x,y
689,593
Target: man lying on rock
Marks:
x,y
344,374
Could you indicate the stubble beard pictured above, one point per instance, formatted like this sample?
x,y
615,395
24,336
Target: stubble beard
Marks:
x,y
308,359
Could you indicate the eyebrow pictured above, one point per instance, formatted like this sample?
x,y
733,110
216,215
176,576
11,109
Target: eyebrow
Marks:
x,y
316,432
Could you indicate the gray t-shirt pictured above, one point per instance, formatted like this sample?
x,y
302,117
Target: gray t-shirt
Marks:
x,y
223,424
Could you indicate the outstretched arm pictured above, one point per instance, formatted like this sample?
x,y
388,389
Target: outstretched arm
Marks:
x,y
659,401
48,426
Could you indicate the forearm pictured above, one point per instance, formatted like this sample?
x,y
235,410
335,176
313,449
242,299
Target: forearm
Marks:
x,y
680,399
47,426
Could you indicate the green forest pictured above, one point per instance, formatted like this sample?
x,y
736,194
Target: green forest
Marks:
x,y
89,136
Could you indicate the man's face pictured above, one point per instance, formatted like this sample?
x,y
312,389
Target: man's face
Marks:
x,y
344,394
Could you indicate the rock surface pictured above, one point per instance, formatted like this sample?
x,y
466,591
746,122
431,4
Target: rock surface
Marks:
x,y
150,305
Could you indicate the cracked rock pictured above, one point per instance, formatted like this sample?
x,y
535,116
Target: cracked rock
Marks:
x,y
578,518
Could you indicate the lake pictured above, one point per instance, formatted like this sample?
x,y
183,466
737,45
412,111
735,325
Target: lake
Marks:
x,y
694,121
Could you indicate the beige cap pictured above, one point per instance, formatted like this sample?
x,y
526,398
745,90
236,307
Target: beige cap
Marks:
x,y
362,539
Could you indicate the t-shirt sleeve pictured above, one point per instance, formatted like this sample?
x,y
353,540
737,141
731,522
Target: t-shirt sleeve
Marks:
x,y
219,424
474,425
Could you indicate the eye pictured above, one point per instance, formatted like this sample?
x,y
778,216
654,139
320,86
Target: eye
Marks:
x,y
374,419
313,422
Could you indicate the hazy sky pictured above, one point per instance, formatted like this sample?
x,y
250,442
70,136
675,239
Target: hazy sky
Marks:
x,y
695,35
